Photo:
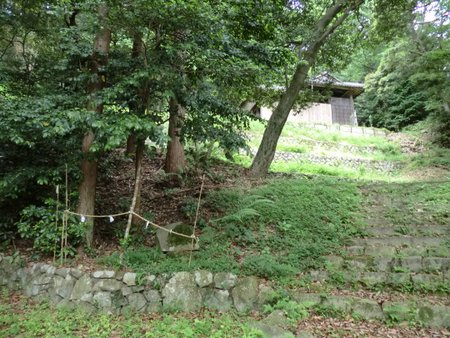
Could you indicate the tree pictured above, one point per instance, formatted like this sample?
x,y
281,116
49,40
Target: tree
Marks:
x,y
175,158
40,122
333,17
390,99
411,81
98,62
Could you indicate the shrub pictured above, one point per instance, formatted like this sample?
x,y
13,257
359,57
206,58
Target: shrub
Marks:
x,y
41,225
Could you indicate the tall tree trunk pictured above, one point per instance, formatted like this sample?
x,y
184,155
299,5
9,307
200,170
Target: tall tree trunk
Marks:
x,y
328,23
175,158
139,106
86,205
139,103
87,187
131,145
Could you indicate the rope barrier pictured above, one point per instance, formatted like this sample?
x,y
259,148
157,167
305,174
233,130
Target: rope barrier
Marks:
x,y
147,222
67,212
98,216
167,230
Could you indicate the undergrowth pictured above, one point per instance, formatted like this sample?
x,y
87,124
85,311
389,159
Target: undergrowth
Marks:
x,y
276,230
25,319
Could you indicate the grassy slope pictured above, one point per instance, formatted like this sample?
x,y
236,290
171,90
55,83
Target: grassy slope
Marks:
x,y
299,138
286,225
274,231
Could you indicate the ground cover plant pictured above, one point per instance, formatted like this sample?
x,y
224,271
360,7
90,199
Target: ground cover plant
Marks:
x,y
274,230
400,156
21,317
112,112
301,131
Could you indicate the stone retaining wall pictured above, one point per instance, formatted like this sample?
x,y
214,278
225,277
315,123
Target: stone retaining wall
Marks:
x,y
121,292
124,292
345,129
355,163
327,145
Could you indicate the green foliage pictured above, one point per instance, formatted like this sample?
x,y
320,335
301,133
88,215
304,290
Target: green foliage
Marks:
x,y
292,223
336,276
189,207
410,83
390,99
294,148
396,314
268,266
215,255
328,170
202,53
435,157
29,319
293,310
329,311
38,140
286,230
223,200
427,203
303,132
236,224
43,226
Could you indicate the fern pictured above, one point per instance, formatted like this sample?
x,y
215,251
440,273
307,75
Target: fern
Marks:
x,y
248,210
239,216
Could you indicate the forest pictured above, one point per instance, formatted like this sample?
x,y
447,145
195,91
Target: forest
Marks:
x,y
121,116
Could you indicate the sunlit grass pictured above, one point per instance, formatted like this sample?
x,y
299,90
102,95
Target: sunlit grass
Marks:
x,y
303,140
362,173
297,130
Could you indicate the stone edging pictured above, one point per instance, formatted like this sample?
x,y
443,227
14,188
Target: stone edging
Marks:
x,y
354,163
121,292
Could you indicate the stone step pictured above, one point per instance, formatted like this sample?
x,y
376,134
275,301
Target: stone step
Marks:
x,y
401,241
391,263
398,230
410,310
376,251
403,281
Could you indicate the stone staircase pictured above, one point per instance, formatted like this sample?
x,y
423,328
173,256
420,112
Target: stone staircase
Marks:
x,y
395,269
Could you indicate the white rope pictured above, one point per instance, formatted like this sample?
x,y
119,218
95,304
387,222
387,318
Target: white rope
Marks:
x,y
147,222
167,230
98,216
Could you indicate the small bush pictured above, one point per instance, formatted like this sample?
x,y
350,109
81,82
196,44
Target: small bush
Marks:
x,y
39,223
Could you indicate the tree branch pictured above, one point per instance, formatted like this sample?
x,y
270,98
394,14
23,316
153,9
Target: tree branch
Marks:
x,y
8,45
323,28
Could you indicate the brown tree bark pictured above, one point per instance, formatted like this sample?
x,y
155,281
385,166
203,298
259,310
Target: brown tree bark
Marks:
x,y
87,187
142,95
136,142
328,23
175,158
131,145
